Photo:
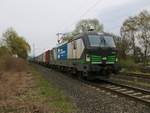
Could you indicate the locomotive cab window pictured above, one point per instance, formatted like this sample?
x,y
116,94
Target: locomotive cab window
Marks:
x,y
109,41
101,41
96,40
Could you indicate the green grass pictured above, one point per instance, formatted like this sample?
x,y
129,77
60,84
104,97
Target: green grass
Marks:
x,y
51,94
129,65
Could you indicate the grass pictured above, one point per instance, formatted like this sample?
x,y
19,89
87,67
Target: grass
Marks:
x,y
52,95
23,89
129,65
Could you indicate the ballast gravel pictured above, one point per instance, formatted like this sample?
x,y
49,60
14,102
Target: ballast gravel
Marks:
x,y
89,99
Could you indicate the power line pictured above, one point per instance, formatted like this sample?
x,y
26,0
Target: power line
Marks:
x,y
95,4
82,15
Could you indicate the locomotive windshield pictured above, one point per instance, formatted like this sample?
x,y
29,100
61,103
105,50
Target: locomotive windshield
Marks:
x,y
101,41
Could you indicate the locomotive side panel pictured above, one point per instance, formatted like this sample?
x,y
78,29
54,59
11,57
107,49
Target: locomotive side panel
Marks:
x,y
79,48
75,49
70,50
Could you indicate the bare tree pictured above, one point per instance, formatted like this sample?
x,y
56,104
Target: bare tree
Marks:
x,y
123,46
143,32
128,31
138,27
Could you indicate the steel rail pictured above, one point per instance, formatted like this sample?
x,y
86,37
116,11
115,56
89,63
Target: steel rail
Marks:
x,y
121,93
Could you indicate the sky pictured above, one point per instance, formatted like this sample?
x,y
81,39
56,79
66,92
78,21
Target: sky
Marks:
x,y
40,20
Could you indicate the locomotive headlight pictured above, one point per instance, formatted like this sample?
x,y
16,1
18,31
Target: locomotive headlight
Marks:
x,y
104,58
116,59
88,58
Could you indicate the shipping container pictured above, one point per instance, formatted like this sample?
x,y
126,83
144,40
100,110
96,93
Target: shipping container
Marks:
x,y
47,57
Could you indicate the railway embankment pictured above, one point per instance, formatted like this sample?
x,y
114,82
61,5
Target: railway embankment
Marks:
x,y
23,89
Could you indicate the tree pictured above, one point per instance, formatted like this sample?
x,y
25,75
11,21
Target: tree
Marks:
x,y
138,27
143,32
123,47
128,30
84,26
139,54
16,44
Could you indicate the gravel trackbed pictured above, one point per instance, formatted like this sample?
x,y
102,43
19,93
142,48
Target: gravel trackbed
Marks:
x,y
88,99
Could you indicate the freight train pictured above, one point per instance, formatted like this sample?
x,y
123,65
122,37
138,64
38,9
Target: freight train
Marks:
x,y
89,55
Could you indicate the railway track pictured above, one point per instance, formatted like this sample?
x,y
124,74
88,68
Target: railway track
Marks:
x,y
140,75
136,94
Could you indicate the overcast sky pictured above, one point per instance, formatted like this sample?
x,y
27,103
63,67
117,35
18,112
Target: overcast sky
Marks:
x,y
40,20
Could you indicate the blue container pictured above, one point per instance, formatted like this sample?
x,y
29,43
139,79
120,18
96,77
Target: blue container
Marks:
x,y
62,52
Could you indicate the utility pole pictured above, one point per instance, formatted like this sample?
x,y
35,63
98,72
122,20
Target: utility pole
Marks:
x,y
33,50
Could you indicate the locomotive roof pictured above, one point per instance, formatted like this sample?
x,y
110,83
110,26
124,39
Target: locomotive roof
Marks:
x,y
90,33
83,34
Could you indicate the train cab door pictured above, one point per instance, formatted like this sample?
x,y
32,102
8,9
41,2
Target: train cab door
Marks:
x,y
78,47
74,49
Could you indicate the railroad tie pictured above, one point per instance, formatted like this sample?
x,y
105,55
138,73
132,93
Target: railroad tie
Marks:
x,y
146,96
102,91
148,100
108,93
111,86
97,89
121,89
127,92
140,97
134,94
115,96
115,88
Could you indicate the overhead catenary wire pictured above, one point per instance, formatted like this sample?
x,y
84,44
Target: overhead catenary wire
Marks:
x,y
83,14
